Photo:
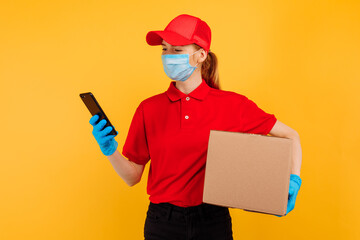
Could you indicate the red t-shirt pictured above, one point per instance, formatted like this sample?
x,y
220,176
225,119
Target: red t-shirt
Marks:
x,y
172,129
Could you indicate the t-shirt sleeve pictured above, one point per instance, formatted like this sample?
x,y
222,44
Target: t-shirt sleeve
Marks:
x,y
136,147
254,119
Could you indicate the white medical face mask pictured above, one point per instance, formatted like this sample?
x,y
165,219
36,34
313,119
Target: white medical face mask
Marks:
x,y
177,66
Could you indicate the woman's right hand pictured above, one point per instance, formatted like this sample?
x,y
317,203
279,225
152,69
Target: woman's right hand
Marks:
x,y
108,144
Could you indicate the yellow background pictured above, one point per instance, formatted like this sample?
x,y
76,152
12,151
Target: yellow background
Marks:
x,y
297,59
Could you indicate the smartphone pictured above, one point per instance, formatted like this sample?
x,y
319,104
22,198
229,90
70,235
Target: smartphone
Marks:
x,y
94,108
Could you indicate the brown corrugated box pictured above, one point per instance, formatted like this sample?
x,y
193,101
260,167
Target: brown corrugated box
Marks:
x,y
248,171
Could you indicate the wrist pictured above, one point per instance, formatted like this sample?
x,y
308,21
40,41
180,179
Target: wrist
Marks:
x,y
296,178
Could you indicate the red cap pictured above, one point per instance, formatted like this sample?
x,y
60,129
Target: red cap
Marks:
x,y
182,30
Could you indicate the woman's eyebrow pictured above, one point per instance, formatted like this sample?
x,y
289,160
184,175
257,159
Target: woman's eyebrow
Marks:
x,y
171,45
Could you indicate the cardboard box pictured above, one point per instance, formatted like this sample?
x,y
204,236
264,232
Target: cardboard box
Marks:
x,y
248,171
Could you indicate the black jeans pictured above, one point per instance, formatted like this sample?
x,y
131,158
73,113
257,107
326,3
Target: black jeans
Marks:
x,y
165,221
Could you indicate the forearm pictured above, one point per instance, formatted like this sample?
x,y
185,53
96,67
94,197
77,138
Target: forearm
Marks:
x,y
297,155
124,168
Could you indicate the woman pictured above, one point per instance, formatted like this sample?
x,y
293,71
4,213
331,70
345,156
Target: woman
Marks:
x,y
172,128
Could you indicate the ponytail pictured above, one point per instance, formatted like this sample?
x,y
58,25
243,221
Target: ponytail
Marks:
x,y
209,70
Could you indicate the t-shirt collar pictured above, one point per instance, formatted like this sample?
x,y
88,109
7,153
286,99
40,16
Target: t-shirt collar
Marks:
x,y
199,93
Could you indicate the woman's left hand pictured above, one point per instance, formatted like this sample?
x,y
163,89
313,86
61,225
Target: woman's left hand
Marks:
x,y
295,183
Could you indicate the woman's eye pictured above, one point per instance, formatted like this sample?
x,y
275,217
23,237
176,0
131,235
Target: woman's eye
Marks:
x,y
177,50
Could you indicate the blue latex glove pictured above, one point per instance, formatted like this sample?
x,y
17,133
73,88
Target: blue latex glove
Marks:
x,y
295,183
108,144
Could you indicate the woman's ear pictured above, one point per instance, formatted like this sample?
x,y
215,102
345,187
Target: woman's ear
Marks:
x,y
202,56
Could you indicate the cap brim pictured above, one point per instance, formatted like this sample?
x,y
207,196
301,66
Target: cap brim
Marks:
x,y
155,38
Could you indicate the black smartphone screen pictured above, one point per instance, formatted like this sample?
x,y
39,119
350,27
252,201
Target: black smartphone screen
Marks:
x,y
94,108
